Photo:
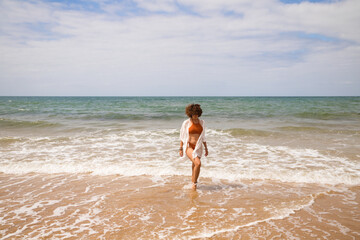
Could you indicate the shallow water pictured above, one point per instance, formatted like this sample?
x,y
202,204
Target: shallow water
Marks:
x,y
94,207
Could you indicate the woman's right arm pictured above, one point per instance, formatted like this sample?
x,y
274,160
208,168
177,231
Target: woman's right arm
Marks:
x,y
182,137
181,150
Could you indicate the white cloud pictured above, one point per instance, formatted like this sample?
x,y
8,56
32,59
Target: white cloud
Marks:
x,y
95,53
157,5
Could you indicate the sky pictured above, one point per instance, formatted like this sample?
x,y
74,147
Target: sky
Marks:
x,y
180,48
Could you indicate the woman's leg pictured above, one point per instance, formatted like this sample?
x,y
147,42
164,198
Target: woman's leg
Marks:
x,y
196,164
192,167
196,172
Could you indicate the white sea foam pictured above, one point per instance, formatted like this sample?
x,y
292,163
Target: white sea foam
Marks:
x,y
154,153
280,213
60,211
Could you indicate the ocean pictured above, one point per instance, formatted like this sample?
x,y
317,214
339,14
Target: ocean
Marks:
x,y
109,168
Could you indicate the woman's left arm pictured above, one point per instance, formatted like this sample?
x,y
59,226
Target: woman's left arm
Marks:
x,y
204,138
206,149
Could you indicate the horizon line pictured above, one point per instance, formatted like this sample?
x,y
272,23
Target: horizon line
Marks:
x,y
179,96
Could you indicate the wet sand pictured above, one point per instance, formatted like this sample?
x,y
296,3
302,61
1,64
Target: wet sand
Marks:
x,y
83,206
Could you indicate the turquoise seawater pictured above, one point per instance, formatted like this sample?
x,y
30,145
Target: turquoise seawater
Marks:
x,y
124,109
307,137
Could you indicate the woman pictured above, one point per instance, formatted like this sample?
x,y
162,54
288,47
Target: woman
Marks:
x,y
192,134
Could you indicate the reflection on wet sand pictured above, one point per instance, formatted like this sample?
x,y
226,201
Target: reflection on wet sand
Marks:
x,y
85,206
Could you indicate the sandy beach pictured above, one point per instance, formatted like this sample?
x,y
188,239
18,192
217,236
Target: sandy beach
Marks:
x,y
82,206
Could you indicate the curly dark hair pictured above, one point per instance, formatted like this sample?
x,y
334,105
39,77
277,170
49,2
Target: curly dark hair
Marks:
x,y
193,109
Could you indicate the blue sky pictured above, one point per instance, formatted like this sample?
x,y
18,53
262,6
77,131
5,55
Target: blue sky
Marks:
x,y
180,47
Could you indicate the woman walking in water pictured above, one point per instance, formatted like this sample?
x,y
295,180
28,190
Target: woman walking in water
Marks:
x,y
192,134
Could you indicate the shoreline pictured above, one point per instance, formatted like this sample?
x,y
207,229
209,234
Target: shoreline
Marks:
x,y
83,205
